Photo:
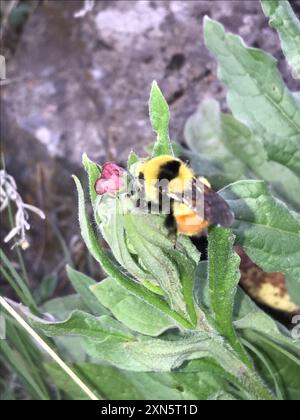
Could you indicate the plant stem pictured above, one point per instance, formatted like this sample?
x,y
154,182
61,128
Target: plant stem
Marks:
x,y
233,368
255,387
245,376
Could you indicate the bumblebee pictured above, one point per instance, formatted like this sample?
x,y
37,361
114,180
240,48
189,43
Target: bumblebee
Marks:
x,y
194,205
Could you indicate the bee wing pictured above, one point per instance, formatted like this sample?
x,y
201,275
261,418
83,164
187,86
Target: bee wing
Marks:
x,y
216,209
206,203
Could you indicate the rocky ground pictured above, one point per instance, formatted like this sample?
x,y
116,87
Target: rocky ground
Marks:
x,y
82,85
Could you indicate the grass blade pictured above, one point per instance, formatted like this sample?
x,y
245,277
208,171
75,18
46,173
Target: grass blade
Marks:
x,y
47,349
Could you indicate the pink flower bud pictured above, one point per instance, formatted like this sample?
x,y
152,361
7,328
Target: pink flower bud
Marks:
x,y
109,169
111,179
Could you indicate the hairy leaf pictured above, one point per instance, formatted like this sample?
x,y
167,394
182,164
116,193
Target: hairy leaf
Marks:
x,y
114,384
223,278
108,340
227,151
159,116
93,171
132,159
283,18
106,381
60,308
285,367
267,230
110,214
257,95
70,348
205,135
133,312
82,324
82,284
111,269
173,270
248,317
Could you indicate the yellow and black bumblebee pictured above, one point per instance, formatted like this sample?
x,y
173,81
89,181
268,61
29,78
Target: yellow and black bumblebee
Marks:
x,y
187,216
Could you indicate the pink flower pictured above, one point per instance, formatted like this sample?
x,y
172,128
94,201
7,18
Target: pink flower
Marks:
x,y
111,179
109,169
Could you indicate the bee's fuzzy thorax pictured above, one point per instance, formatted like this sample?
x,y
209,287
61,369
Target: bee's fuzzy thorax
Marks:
x,y
166,167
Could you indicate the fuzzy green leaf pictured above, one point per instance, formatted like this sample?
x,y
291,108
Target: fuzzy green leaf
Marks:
x,y
132,159
106,381
62,307
133,312
223,277
158,263
283,18
148,254
71,348
82,324
110,216
112,270
285,367
165,355
257,95
162,355
173,270
115,384
159,117
246,314
205,136
234,153
82,284
93,171
248,317
267,230
104,338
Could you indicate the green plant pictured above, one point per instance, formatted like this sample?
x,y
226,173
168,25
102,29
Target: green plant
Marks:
x,y
23,375
171,320
259,141
163,324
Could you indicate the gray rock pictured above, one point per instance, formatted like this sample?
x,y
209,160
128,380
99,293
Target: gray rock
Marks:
x,y
83,84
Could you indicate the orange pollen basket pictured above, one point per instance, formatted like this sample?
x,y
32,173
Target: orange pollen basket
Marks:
x,y
190,224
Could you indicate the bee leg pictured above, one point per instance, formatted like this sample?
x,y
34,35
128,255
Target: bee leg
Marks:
x,y
174,240
170,224
172,235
